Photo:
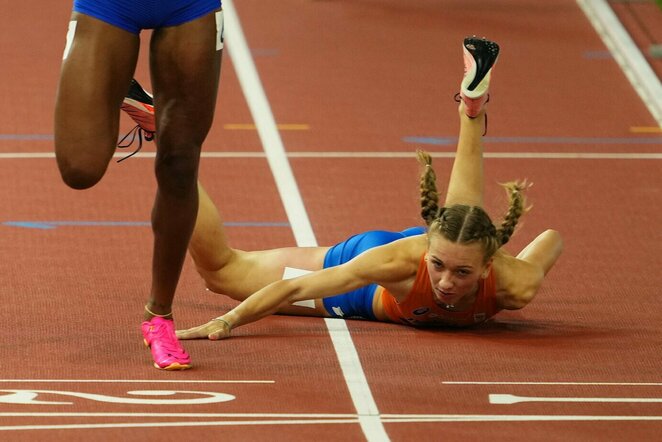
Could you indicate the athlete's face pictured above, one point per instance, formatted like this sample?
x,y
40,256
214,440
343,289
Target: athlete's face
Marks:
x,y
454,269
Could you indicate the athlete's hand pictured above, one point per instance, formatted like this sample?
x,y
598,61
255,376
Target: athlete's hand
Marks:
x,y
213,330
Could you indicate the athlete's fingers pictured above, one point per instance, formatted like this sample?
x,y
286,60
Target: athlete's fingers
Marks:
x,y
219,329
213,330
217,335
199,332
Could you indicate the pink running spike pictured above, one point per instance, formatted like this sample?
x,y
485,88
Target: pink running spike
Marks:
x,y
159,335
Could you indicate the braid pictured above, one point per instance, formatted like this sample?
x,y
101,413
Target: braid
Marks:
x,y
517,206
465,224
428,188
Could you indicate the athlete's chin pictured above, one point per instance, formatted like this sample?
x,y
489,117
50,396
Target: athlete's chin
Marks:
x,y
445,297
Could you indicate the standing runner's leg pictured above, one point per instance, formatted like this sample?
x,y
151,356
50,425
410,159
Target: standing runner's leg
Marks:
x,y
90,91
185,66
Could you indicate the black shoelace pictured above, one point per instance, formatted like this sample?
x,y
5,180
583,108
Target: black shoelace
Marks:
x,y
136,132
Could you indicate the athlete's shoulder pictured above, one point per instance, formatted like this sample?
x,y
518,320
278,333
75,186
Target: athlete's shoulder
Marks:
x,y
407,250
391,262
517,281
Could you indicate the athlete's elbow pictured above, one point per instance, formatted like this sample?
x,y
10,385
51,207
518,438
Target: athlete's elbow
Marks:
x,y
555,249
521,301
291,292
556,239
527,292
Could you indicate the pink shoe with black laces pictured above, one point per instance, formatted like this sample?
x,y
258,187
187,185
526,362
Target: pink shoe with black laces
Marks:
x,y
159,336
480,55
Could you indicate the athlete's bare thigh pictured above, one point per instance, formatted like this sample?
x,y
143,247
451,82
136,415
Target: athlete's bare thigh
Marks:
x,y
248,272
90,91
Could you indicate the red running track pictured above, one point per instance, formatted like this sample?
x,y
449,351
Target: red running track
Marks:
x,y
357,86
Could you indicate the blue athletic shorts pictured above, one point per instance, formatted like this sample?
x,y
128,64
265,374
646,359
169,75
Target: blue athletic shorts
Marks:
x,y
358,303
135,15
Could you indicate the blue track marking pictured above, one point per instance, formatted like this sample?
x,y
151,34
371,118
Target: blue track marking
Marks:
x,y
598,55
47,137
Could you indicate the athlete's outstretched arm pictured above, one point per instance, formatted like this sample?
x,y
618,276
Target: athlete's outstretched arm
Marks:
x,y
379,265
273,297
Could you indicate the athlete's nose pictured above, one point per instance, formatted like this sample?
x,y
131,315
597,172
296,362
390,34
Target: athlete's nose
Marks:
x,y
445,282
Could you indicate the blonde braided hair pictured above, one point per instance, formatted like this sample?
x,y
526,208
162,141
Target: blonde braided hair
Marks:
x,y
466,224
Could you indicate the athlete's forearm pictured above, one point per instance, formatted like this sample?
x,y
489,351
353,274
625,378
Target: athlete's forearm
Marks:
x,y
271,298
262,303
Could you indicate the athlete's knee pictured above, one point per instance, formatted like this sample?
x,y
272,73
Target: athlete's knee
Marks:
x,y
219,278
210,261
176,171
79,175
211,281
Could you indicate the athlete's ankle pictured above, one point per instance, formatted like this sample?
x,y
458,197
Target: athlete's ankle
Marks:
x,y
477,118
156,311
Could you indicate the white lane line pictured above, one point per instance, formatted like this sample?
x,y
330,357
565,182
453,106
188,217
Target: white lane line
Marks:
x,y
627,384
365,405
376,154
265,123
509,418
388,418
509,399
307,417
176,424
626,53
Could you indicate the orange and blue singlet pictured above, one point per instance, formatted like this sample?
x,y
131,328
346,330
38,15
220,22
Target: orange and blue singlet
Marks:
x,y
135,15
419,307
358,303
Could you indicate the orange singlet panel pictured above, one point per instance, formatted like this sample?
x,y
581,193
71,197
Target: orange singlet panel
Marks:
x,y
420,309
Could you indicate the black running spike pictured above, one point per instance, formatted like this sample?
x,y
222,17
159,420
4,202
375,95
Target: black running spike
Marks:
x,y
485,53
